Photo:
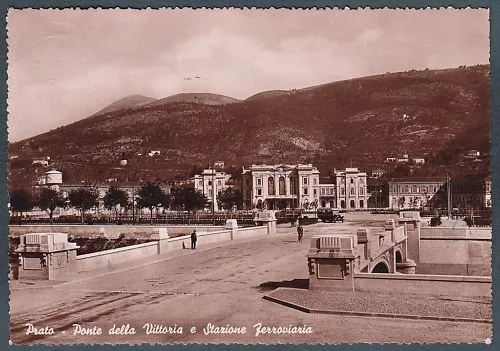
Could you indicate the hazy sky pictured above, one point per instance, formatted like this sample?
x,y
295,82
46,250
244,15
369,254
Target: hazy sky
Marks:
x,y
64,65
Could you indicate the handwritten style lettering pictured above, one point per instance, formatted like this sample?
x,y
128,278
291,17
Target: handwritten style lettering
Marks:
x,y
151,328
124,329
79,330
213,329
32,330
260,329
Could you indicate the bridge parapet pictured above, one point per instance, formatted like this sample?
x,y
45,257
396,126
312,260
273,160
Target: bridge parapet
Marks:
x,y
332,259
46,256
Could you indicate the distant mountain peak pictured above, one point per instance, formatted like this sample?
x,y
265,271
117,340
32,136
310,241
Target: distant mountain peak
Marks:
x,y
130,101
196,98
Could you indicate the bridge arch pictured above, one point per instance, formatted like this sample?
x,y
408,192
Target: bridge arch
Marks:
x,y
399,257
380,266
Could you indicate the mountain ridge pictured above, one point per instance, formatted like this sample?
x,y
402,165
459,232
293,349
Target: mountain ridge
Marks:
x,y
363,120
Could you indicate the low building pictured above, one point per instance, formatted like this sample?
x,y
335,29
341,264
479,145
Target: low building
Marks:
x,y
471,191
417,193
211,182
327,195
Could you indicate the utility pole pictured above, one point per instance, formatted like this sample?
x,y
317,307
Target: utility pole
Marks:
x,y
448,185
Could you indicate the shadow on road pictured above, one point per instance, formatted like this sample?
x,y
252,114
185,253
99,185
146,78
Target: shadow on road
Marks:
x,y
295,283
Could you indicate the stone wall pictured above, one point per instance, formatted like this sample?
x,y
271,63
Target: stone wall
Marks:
x,y
451,251
423,284
162,244
115,256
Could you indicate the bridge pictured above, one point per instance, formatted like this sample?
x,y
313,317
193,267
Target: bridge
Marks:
x,y
222,282
334,259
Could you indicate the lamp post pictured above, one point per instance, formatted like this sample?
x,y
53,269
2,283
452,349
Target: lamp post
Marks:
x,y
213,192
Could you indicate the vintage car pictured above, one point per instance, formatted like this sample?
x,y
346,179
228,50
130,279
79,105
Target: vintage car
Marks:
x,y
327,214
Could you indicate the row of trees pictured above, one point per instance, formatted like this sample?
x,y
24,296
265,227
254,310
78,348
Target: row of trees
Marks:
x,y
149,196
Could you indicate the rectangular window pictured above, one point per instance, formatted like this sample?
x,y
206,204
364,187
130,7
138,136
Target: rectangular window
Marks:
x,y
352,191
314,192
342,191
259,181
259,192
305,180
315,181
305,191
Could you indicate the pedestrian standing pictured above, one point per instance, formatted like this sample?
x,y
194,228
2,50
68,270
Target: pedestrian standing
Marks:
x,y
194,237
300,232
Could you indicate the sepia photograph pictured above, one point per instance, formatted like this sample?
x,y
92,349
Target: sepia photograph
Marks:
x,y
249,176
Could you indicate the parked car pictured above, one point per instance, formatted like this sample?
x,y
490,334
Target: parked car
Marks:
x,y
330,215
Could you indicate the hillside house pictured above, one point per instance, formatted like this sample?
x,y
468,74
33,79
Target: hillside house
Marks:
x,y
470,155
419,161
41,161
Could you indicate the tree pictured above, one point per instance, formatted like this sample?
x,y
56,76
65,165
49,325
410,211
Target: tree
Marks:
x,y
50,200
21,201
401,201
115,197
230,198
151,196
83,200
189,199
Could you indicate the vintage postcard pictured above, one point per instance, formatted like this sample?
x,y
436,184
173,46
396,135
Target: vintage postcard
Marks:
x,y
249,176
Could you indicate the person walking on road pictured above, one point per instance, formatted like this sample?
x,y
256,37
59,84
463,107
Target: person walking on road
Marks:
x,y
193,240
300,232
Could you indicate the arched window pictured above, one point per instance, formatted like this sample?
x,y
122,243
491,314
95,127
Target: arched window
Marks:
x,y
323,203
281,184
331,204
352,204
270,186
352,181
342,204
361,204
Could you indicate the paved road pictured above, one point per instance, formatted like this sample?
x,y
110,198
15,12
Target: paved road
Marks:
x,y
219,285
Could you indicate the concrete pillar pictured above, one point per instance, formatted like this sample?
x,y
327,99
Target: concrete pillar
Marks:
x,y
232,225
331,262
412,231
268,219
162,237
46,256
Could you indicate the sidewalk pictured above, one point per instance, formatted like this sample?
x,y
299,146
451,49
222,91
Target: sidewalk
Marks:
x,y
126,266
